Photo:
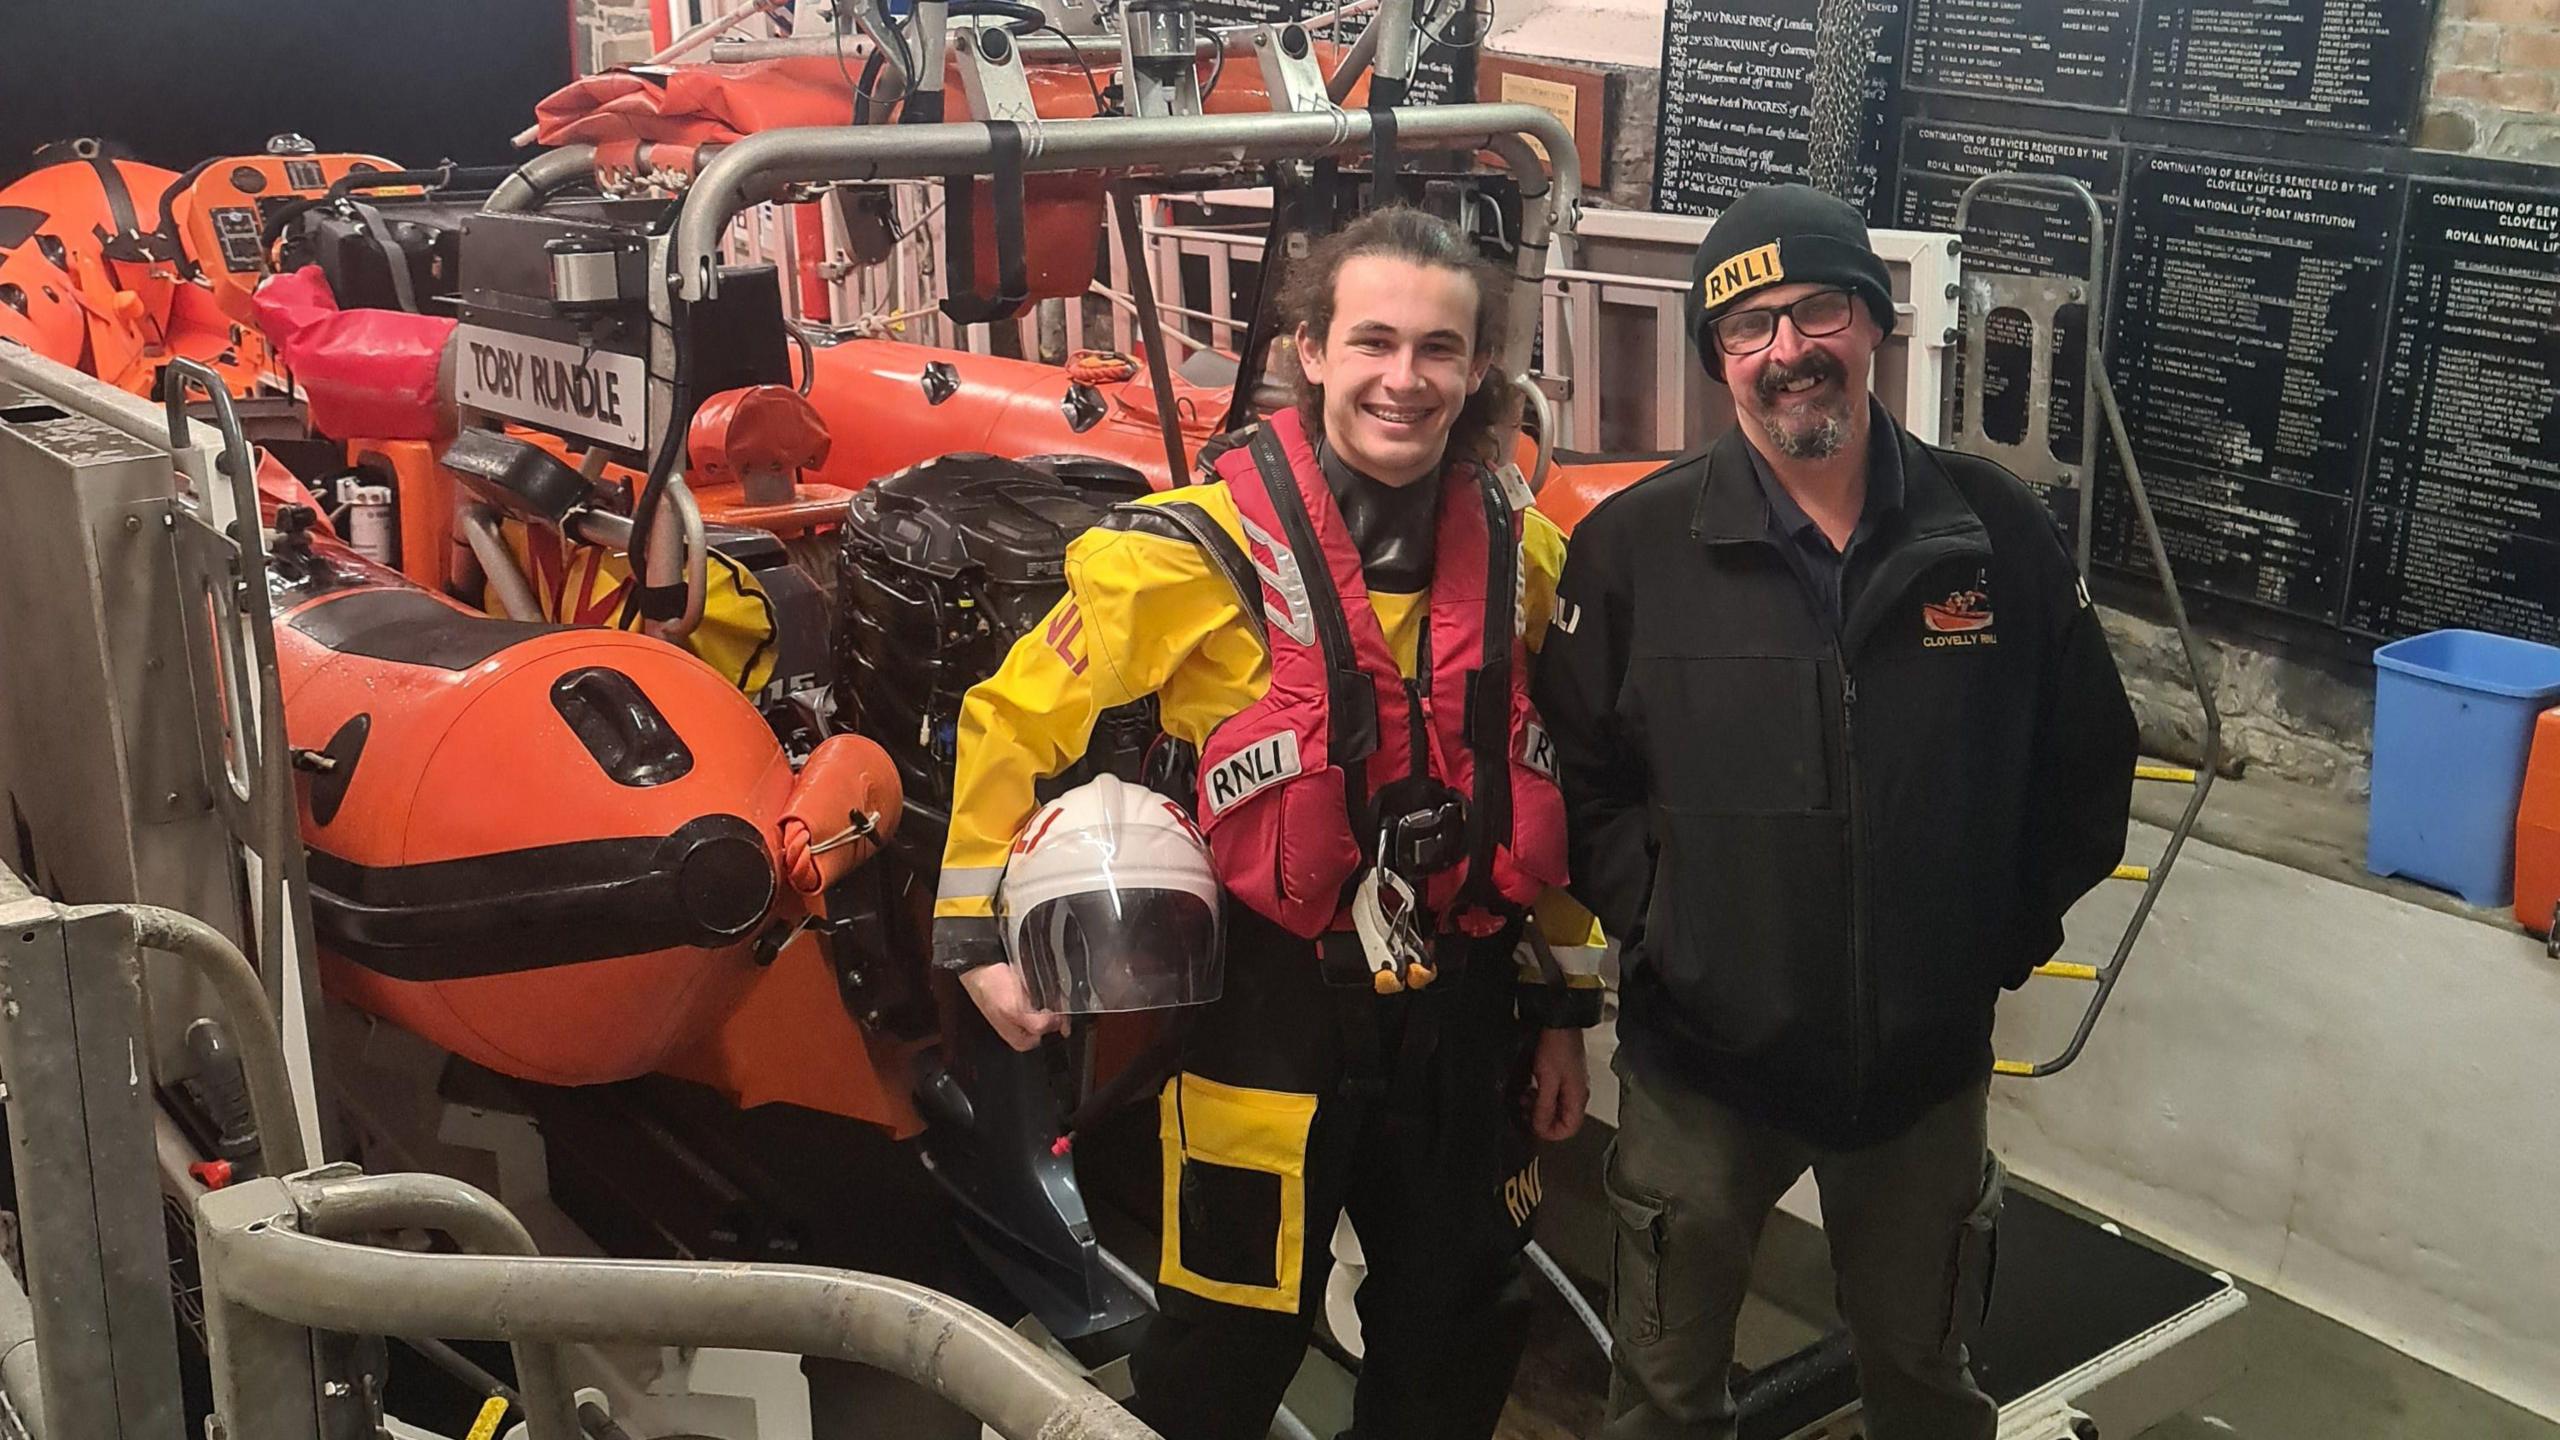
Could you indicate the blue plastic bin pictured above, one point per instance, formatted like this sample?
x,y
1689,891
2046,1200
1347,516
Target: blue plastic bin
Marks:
x,y
2453,714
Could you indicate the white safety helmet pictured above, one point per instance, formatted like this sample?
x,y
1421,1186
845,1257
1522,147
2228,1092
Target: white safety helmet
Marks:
x,y
1108,903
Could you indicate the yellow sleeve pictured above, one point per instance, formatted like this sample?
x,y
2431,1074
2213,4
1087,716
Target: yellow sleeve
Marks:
x,y
1143,615
1541,561
1564,921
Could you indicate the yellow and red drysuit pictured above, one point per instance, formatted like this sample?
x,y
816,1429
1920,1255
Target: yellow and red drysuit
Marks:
x,y
1300,1095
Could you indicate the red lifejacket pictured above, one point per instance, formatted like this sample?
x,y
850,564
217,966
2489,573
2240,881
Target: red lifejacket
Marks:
x,y
1288,784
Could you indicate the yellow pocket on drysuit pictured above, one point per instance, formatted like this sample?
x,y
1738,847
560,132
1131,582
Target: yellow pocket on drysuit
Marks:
x,y
1235,1192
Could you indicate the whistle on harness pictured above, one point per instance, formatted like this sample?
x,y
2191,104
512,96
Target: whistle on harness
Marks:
x,y
1384,913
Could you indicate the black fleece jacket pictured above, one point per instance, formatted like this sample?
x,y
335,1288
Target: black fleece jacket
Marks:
x,y
1826,853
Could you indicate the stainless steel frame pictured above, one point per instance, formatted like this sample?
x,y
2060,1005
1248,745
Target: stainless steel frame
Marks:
x,y
149,765
80,1137
100,777
2040,299
84,1133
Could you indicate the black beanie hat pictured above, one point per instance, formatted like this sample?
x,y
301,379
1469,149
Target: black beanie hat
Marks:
x,y
1782,235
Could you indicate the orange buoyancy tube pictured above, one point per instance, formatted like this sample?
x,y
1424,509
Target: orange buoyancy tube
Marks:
x,y
550,850
950,401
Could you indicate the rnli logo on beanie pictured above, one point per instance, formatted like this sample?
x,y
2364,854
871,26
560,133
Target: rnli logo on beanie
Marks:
x,y
1745,272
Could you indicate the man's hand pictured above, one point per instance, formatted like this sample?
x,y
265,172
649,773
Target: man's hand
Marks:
x,y
999,996
1559,1085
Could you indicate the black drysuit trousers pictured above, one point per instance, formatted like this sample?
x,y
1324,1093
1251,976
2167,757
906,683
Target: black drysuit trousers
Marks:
x,y
1299,1100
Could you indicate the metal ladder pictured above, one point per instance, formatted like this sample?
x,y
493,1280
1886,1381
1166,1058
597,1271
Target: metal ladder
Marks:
x,y
2040,299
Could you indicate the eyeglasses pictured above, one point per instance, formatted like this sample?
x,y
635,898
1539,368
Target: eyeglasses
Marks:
x,y
1748,332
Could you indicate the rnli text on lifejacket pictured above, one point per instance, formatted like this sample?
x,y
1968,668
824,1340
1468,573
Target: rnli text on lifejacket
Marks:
x,y
1264,762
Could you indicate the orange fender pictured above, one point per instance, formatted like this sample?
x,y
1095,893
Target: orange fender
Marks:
x,y
845,803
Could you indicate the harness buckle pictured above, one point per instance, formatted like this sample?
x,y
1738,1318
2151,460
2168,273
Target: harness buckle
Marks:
x,y
1423,834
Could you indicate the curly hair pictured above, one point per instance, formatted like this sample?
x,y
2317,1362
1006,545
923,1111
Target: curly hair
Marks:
x,y
1401,232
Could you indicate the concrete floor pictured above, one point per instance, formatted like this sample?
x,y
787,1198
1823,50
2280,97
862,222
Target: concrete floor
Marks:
x,y
2311,1378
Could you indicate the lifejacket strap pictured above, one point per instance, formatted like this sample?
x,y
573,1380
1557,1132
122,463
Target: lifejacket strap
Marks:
x,y
1183,520
1351,698
1489,696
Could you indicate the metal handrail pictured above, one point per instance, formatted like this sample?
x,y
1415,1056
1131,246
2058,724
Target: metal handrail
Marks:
x,y
255,1257
263,794
2201,778
342,1203
242,997
763,165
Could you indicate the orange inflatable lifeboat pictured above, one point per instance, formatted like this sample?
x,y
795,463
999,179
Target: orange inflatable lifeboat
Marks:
x,y
98,219
558,852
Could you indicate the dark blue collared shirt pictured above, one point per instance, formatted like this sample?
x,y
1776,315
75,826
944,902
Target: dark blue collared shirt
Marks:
x,y
1809,552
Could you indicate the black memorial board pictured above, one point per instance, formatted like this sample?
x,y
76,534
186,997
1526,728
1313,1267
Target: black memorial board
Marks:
x,y
1737,94
2008,231
2055,52
2247,323
2417,572
1443,74
2462,523
2469,421
2351,66
2012,231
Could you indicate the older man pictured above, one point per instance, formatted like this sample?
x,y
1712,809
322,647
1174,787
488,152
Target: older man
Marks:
x,y
1841,741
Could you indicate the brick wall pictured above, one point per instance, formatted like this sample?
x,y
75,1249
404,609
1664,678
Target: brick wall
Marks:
x,y
2496,83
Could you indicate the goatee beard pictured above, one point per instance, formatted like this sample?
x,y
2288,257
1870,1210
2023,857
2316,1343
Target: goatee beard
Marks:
x,y
1819,440
1817,437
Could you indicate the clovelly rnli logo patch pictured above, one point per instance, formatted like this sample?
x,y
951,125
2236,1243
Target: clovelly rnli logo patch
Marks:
x,y
1538,749
1963,618
1745,272
1258,766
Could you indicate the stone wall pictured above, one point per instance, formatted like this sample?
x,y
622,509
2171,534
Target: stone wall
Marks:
x,y
2303,719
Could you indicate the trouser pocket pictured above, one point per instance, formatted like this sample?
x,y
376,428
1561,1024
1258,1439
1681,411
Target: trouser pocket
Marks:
x,y
1638,1249
1976,1262
1235,1192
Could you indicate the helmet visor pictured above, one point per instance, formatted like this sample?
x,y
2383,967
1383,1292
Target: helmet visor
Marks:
x,y
1113,949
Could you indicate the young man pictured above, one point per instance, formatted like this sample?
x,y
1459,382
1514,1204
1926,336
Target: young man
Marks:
x,y
1841,742
1332,623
